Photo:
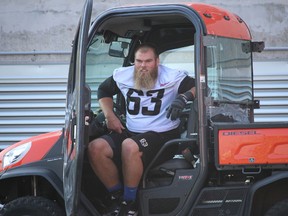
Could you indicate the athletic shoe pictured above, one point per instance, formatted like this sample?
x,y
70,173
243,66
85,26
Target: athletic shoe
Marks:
x,y
128,209
113,205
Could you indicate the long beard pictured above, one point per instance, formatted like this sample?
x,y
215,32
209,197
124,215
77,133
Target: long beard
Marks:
x,y
144,80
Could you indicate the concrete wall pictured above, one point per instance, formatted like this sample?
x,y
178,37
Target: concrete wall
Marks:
x,y
48,26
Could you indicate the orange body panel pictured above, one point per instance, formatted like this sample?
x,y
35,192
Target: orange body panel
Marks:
x,y
253,146
41,144
221,22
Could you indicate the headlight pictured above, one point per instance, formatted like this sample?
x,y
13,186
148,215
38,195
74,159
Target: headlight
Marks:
x,y
16,154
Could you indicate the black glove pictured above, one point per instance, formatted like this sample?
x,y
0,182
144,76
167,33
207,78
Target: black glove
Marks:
x,y
176,107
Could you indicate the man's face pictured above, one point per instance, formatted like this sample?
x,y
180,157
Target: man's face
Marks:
x,y
146,69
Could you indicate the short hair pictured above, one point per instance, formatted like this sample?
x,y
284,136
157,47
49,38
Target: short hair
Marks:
x,y
148,46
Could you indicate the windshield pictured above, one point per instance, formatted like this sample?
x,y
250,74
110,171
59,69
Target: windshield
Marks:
x,y
229,79
100,65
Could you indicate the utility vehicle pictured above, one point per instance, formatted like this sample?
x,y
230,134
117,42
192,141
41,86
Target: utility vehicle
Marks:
x,y
224,163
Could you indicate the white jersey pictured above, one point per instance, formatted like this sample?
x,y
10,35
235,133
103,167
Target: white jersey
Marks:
x,y
146,109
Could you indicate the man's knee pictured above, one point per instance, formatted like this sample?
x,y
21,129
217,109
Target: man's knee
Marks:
x,y
129,146
98,147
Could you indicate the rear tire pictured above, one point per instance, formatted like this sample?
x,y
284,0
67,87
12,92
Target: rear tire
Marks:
x,y
32,206
279,209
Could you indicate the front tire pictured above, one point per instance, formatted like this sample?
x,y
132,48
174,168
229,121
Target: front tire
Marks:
x,y
32,206
279,209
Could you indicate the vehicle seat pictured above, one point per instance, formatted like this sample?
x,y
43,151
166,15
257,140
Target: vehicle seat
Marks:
x,y
161,171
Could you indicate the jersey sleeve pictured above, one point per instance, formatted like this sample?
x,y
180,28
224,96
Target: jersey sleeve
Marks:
x,y
186,84
107,88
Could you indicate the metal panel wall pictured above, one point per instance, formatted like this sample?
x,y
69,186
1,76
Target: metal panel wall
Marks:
x,y
32,98
271,88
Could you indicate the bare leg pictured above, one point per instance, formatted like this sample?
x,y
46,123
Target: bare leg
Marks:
x,y
131,163
100,156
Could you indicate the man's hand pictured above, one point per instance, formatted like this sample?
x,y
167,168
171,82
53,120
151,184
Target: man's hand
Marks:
x,y
176,107
112,121
114,124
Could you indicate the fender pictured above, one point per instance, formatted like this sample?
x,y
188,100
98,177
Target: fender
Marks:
x,y
39,170
261,184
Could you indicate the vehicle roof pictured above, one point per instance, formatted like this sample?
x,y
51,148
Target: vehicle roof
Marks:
x,y
218,21
168,25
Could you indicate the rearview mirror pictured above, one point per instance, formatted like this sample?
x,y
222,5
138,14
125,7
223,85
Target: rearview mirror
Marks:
x,y
119,49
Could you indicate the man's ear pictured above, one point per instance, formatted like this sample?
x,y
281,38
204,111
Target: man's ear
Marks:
x,y
158,61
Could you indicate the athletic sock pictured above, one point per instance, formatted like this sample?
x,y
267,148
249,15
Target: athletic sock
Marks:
x,y
130,193
116,188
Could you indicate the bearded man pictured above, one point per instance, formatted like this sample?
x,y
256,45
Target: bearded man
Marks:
x,y
151,120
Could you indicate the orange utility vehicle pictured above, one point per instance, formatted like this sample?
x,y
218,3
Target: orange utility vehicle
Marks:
x,y
224,164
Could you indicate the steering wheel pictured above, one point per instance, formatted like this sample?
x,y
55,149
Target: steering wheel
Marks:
x,y
97,123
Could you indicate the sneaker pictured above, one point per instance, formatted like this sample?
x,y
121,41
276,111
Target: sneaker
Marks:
x,y
114,205
128,209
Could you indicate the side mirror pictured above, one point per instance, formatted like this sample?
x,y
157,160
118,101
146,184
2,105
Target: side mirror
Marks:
x,y
255,46
119,49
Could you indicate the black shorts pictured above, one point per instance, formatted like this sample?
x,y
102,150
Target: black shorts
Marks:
x,y
149,143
